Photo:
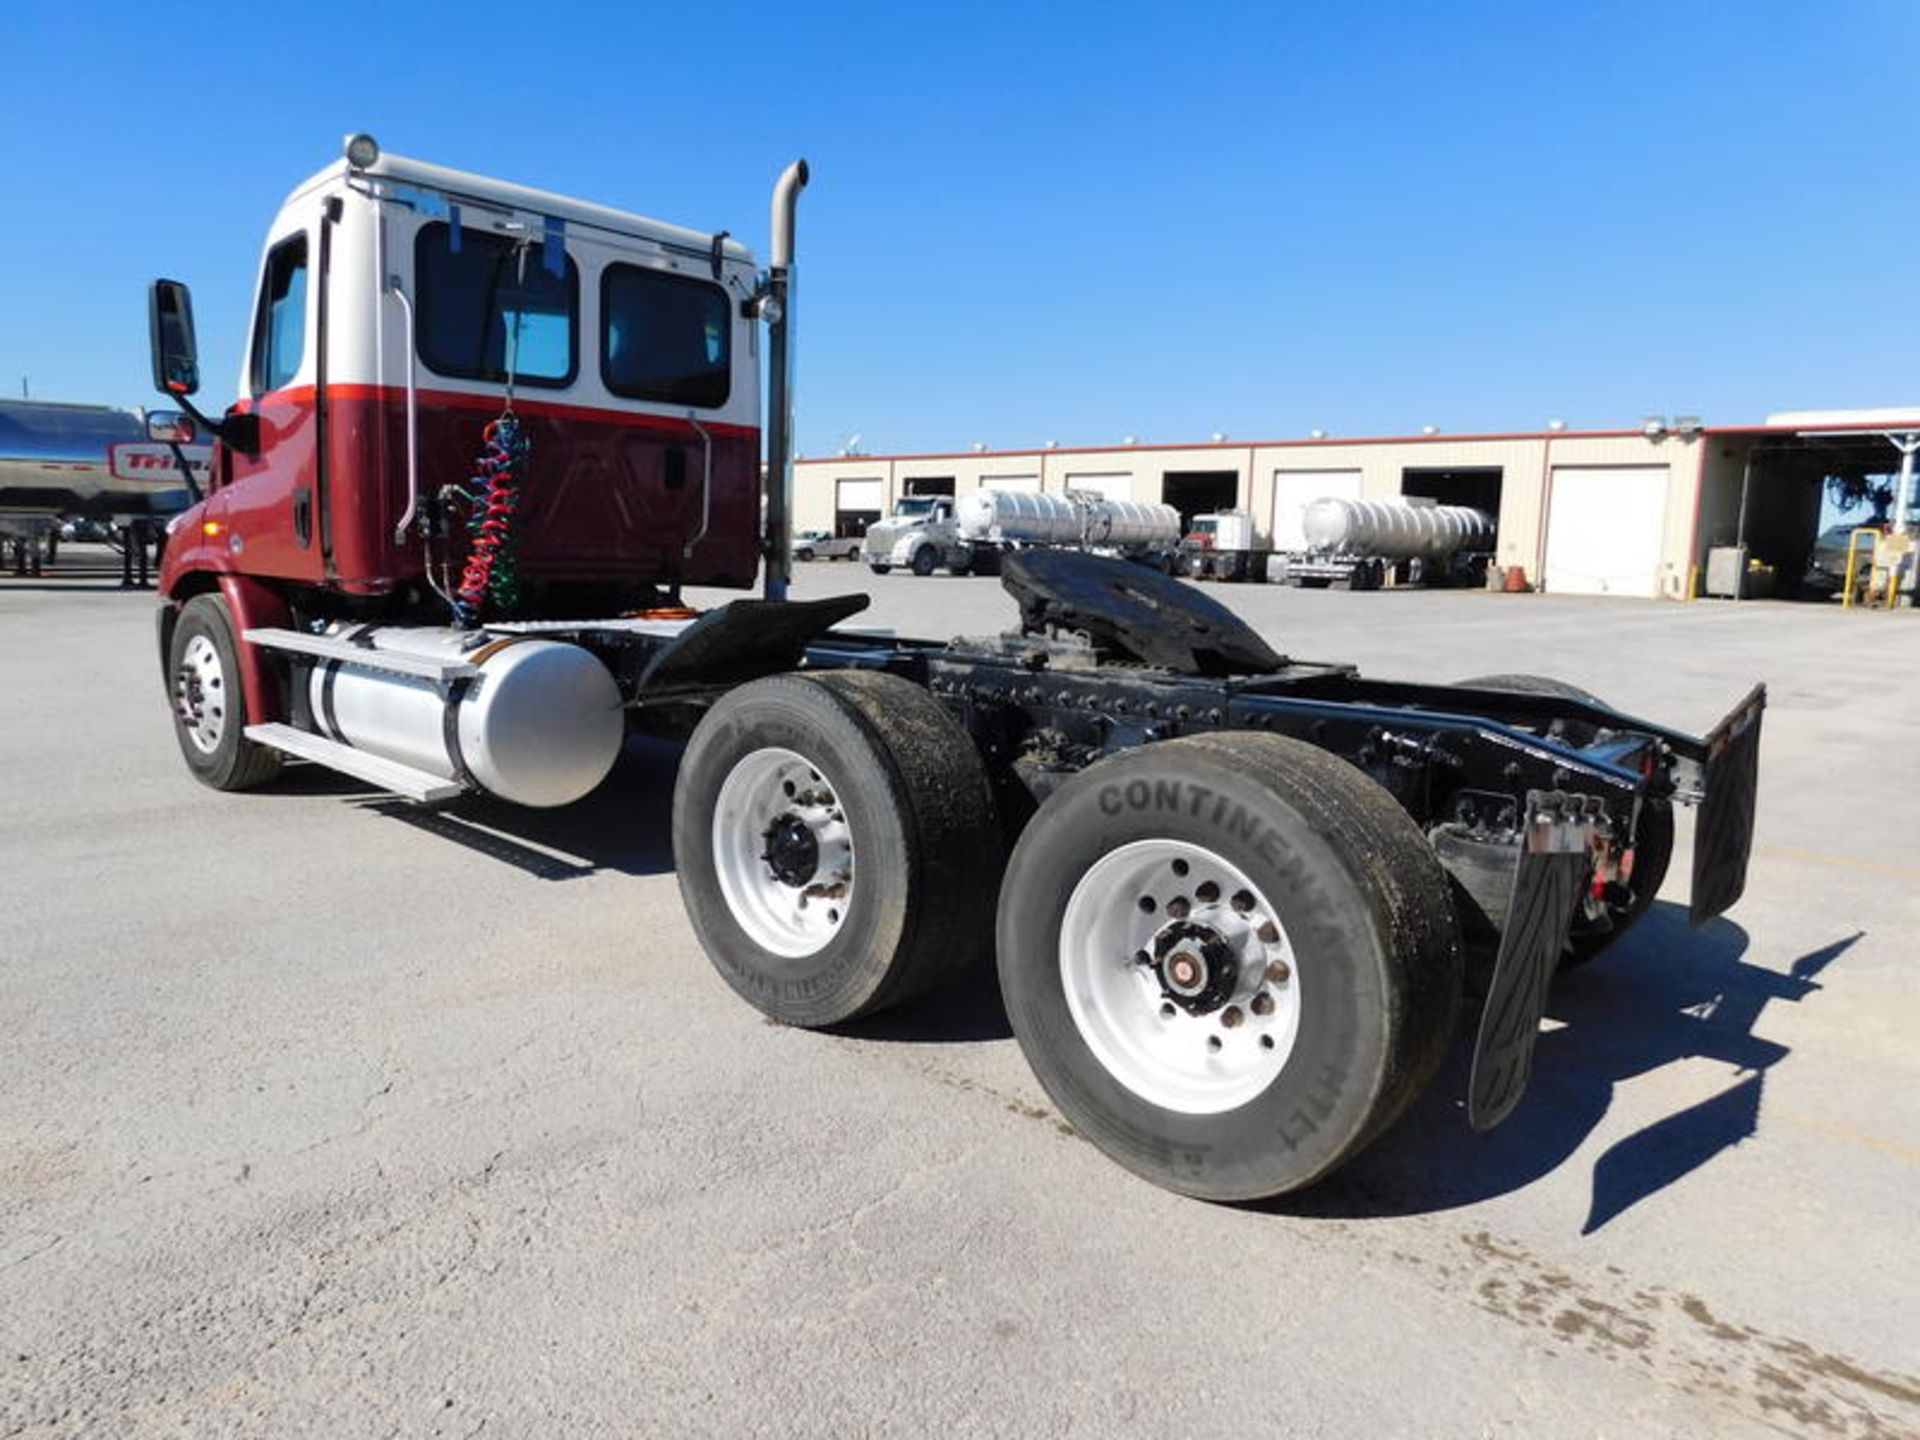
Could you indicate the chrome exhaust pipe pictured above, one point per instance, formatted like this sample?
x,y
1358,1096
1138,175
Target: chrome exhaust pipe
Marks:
x,y
779,294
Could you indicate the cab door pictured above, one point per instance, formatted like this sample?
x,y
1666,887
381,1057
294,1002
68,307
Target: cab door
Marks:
x,y
272,503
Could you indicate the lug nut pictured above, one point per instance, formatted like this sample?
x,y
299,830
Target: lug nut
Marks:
x,y
1208,893
1178,907
1269,933
1261,1004
1231,1016
1243,901
1279,972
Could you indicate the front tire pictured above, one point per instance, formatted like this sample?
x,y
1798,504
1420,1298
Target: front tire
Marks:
x,y
1230,960
837,844
878,568
925,562
209,702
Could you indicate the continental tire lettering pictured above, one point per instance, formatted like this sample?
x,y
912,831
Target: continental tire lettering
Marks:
x,y
1199,802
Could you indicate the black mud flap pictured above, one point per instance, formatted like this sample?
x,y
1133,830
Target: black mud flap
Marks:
x,y
1555,861
743,641
1138,612
1723,838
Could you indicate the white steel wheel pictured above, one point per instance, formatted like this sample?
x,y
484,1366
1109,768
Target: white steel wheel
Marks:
x,y
1179,976
783,851
837,844
201,695
1230,959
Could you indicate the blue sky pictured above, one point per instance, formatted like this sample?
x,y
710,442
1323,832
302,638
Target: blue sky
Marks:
x,y
1070,223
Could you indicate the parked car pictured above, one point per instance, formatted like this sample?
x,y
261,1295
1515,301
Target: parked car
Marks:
x,y
819,545
1827,570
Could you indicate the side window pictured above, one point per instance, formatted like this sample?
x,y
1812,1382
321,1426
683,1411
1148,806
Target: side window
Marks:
x,y
486,301
280,329
665,337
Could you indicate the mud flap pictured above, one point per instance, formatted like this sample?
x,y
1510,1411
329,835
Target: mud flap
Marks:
x,y
1552,870
1723,838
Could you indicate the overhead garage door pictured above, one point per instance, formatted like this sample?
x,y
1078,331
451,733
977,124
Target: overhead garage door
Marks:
x,y
1026,484
1107,487
857,504
861,495
1294,490
1604,525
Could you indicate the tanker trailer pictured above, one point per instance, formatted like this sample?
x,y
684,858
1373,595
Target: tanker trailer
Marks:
x,y
83,462
1360,542
995,521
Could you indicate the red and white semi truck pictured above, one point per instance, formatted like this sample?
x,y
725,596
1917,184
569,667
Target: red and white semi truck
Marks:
x,y
1236,900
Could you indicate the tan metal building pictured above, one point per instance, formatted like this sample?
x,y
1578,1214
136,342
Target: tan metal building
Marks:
x,y
1606,512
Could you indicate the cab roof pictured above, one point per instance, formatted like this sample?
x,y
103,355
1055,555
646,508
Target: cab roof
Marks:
x,y
484,190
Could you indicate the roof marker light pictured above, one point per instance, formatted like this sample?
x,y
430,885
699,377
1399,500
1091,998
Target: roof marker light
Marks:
x,y
363,151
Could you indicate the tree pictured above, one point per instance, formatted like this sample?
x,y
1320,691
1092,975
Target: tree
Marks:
x,y
1850,492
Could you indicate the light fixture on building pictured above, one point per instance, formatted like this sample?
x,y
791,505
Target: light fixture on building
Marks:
x,y
1429,429
1053,444
1653,426
1218,436
1686,426
1128,440
1556,424
1316,434
979,446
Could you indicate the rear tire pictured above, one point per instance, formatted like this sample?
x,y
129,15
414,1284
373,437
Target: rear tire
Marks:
x,y
1652,846
209,703
837,844
1310,906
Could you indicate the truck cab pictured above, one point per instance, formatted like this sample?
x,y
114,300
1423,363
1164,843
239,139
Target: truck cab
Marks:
x,y
920,535
399,308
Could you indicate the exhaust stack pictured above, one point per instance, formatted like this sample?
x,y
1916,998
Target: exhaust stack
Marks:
x,y
779,294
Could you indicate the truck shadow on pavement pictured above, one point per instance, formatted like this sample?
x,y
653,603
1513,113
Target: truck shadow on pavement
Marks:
x,y
626,825
1664,994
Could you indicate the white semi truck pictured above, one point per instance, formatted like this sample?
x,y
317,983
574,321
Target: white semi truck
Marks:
x,y
926,532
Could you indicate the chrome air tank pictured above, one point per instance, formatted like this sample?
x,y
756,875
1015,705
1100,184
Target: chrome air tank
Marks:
x,y
1395,530
540,724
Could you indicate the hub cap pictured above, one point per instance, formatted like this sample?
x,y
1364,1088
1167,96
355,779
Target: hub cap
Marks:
x,y
200,694
1179,976
783,852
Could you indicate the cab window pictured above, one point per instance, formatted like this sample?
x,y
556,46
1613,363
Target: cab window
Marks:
x,y
665,337
280,331
488,302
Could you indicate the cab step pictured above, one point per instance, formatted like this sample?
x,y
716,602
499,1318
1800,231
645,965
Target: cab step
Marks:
x,y
332,647
421,785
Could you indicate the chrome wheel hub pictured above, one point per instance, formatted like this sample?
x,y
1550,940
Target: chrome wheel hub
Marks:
x,y
200,694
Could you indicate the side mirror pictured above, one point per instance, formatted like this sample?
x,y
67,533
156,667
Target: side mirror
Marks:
x,y
176,360
169,427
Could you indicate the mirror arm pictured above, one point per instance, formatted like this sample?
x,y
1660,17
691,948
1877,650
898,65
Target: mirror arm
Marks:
x,y
240,430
